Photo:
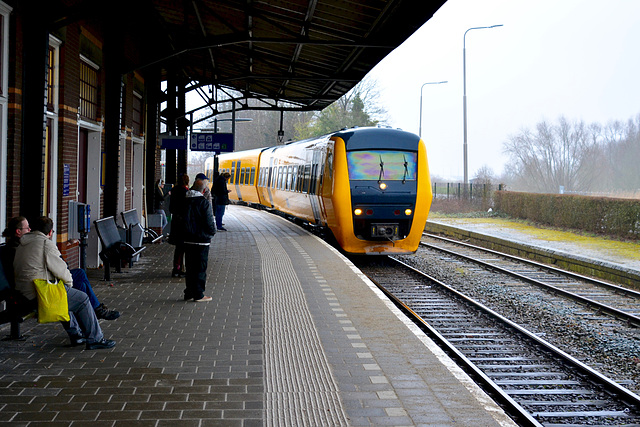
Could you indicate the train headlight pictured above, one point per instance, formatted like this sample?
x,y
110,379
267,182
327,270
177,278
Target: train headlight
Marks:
x,y
383,186
407,212
358,211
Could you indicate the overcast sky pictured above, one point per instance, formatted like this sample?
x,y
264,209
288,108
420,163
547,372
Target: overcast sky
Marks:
x,y
574,58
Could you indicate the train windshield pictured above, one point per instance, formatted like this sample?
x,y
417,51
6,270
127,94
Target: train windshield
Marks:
x,y
382,165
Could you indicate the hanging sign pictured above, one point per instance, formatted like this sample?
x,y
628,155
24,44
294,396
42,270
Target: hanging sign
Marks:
x,y
173,142
218,142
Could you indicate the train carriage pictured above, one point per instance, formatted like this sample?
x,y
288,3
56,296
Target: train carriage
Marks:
x,y
369,186
243,168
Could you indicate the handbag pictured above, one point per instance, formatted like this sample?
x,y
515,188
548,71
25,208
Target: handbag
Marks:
x,y
52,299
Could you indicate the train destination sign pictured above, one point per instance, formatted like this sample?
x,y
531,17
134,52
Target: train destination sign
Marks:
x,y
218,142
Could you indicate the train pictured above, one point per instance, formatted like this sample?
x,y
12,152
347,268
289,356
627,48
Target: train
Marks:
x,y
369,186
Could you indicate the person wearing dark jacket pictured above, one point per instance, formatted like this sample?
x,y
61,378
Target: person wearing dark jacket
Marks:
x,y
198,227
176,206
221,194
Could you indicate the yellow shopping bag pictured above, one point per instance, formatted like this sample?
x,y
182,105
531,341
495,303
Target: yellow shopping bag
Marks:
x,y
52,301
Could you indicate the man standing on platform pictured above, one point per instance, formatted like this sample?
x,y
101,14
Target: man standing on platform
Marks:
x,y
198,229
221,194
176,206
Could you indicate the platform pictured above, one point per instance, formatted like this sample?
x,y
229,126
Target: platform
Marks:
x,y
295,336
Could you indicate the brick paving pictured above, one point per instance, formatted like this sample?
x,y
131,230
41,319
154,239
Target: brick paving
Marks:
x,y
293,337
199,363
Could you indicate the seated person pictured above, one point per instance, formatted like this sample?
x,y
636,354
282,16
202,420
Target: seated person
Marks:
x,y
37,257
19,226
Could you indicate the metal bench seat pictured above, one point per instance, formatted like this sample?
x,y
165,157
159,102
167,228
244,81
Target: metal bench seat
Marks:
x,y
114,249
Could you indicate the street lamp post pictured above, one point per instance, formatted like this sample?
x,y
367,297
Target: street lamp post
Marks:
x,y
464,97
421,87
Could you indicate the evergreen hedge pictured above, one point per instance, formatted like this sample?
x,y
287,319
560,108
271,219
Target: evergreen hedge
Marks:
x,y
599,215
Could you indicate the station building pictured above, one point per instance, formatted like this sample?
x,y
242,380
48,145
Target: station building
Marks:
x,y
87,88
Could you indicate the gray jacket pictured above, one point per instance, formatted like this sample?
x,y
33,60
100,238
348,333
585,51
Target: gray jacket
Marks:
x,y
29,263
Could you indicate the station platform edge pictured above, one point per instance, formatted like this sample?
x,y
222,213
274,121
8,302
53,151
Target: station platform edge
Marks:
x,y
295,335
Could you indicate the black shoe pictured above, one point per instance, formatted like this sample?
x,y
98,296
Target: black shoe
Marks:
x,y
77,340
187,298
102,312
102,344
178,273
222,229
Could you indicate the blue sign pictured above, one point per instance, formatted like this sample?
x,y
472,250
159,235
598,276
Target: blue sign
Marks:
x,y
66,178
174,142
218,142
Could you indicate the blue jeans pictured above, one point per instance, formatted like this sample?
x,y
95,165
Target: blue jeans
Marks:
x,y
219,214
83,319
81,283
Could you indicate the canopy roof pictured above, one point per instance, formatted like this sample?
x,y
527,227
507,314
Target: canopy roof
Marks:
x,y
291,54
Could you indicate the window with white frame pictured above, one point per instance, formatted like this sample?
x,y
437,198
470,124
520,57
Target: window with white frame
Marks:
x,y
88,90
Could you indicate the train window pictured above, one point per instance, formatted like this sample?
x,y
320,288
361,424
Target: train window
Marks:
x,y
289,177
382,164
314,179
241,181
300,178
233,171
306,179
238,170
281,174
294,184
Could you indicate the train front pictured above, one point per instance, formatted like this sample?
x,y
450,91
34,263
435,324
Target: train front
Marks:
x,y
384,190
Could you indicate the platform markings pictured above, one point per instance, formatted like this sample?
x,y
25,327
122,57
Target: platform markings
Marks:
x,y
299,386
331,296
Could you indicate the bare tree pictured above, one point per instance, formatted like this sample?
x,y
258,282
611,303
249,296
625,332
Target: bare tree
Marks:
x,y
484,175
554,156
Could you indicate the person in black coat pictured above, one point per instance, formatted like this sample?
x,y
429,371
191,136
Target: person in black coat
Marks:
x,y
221,194
176,206
198,228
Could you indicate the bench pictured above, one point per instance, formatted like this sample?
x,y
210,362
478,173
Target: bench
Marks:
x,y
114,250
131,222
17,308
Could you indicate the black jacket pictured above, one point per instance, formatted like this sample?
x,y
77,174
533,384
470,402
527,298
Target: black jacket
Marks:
x,y
158,198
220,191
198,225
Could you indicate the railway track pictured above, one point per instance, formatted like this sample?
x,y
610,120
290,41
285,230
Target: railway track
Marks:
x,y
536,383
601,297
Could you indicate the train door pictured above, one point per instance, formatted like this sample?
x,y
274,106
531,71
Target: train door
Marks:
x,y
237,178
271,179
315,185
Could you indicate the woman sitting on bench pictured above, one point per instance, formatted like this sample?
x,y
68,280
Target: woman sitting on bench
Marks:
x,y
19,226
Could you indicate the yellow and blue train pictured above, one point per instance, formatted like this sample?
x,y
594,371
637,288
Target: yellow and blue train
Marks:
x,y
369,186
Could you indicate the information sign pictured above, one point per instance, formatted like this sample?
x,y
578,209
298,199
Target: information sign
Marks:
x,y
218,142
